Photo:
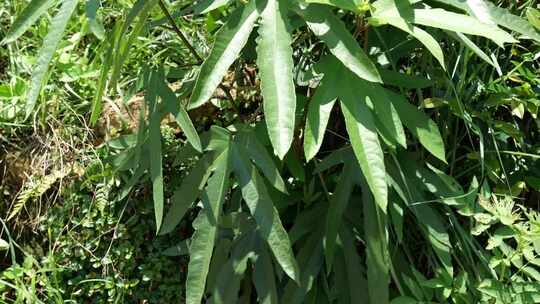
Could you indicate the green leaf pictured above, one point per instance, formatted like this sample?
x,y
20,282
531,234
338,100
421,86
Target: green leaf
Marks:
x,y
331,30
311,259
357,6
190,189
154,145
262,208
274,59
502,17
385,114
230,40
264,276
442,19
338,204
205,225
46,53
320,107
533,15
398,79
358,287
399,14
420,126
173,105
473,47
95,24
377,257
228,281
262,159
97,103
26,18
365,142
424,37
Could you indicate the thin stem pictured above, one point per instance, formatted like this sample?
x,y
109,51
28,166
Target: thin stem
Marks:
x,y
177,30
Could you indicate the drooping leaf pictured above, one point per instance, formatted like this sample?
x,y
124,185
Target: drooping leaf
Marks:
x,y
399,14
338,204
320,107
377,258
365,142
311,259
230,40
262,208
331,30
274,59
156,167
386,117
502,17
46,53
442,19
190,189
420,126
264,276
173,105
205,225
26,18
262,159
228,281
358,287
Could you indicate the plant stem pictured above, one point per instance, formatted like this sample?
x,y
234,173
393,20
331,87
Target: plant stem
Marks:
x,y
177,30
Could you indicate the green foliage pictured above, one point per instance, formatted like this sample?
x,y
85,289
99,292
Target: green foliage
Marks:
x,y
330,162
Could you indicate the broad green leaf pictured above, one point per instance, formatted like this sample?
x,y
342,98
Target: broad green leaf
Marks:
x,y
205,225
331,30
264,276
173,105
358,287
311,259
442,19
385,114
365,142
156,169
154,146
377,256
420,126
398,13
480,10
533,15
515,23
46,53
26,18
230,40
338,204
274,59
227,285
205,6
357,6
424,37
262,208
502,17
95,24
320,107
191,188
262,159
473,47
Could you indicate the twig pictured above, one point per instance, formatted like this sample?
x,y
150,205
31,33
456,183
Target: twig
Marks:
x,y
177,30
